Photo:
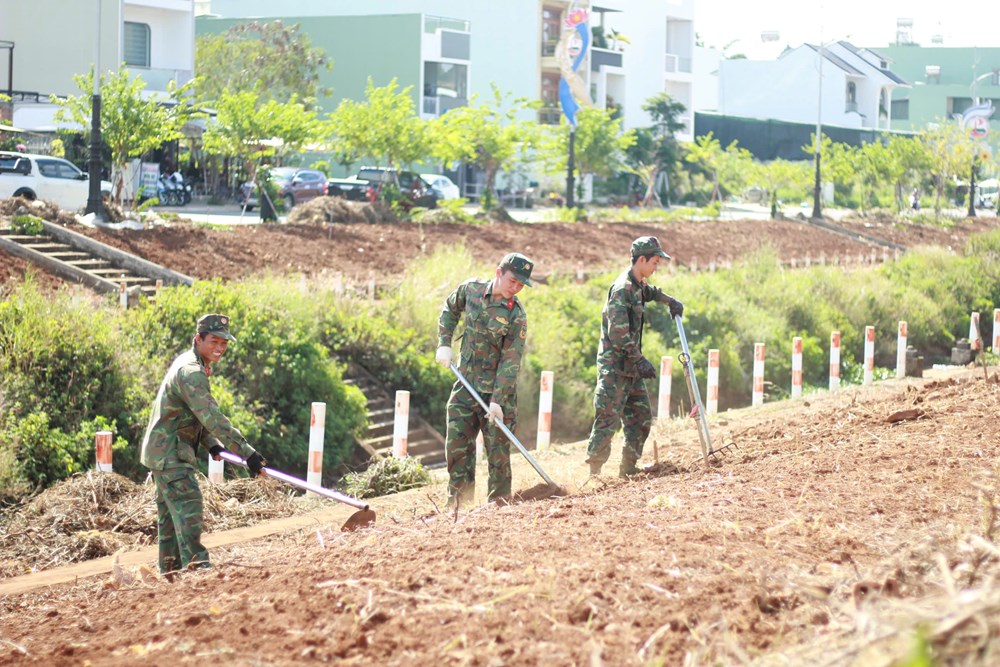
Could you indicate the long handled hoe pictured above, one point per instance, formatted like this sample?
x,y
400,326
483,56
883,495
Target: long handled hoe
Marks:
x,y
503,427
357,520
698,410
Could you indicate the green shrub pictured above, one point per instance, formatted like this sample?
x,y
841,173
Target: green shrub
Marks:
x,y
389,475
28,225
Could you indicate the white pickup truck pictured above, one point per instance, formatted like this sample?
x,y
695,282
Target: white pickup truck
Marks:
x,y
44,177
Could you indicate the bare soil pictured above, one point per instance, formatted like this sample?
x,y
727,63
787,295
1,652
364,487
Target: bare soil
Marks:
x,y
360,251
833,527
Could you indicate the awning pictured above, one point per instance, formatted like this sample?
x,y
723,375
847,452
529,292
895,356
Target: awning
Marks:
x,y
8,128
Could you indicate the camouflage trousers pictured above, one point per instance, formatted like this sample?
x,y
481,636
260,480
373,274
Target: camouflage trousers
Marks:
x,y
619,401
179,519
466,418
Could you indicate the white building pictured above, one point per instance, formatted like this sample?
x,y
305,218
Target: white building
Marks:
x,y
847,86
54,40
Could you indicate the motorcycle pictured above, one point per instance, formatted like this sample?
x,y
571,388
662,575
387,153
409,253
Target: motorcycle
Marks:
x,y
172,191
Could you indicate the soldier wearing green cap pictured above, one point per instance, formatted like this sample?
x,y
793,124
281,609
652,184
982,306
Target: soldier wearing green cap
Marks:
x,y
620,398
184,416
492,345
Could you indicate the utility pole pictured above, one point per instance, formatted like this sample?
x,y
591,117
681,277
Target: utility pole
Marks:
x,y
817,213
570,166
94,203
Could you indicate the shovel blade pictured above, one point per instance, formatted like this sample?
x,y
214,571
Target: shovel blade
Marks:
x,y
357,520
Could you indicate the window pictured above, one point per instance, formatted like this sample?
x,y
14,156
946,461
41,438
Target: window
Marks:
x,y
136,45
446,80
551,29
57,169
900,110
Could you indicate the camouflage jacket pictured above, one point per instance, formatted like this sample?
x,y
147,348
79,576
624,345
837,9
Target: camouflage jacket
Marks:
x,y
493,341
185,416
620,348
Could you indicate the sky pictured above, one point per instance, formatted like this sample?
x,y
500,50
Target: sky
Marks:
x,y
870,23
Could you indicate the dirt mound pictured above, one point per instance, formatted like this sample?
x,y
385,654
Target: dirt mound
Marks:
x,y
92,515
332,210
42,209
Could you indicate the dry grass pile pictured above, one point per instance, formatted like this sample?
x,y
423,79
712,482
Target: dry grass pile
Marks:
x,y
43,209
328,210
94,515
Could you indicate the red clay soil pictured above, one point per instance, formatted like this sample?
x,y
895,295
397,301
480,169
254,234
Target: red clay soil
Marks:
x,y
355,250
839,521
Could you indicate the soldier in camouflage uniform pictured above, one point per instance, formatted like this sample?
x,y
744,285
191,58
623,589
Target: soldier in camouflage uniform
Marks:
x,y
492,345
620,398
184,416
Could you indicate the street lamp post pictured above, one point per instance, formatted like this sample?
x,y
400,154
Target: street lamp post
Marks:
x,y
817,213
971,212
94,203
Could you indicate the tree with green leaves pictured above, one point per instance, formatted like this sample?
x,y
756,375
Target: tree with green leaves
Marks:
x,y
655,148
130,123
727,167
259,131
599,147
782,177
912,162
278,59
950,153
488,135
383,128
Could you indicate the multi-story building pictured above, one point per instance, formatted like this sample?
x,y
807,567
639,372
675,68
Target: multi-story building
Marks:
x,y
945,82
450,50
51,41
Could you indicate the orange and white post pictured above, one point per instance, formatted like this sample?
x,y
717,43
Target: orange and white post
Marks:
x,y
216,470
712,405
797,367
401,424
122,295
159,286
544,438
975,342
834,360
901,351
758,375
663,399
996,331
317,430
869,375
102,443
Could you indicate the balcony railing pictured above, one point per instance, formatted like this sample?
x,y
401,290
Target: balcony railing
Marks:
x,y
156,79
549,115
676,63
549,47
434,23
435,105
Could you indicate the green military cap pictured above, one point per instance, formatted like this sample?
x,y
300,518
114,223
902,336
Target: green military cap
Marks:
x,y
645,246
519,265
215,324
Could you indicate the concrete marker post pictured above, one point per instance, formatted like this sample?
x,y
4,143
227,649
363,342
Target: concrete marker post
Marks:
x,y
401,424
159,286
663,398
216,470
869,375
102,443
758,375
901,351
797,367
975,340
544,437
317,431
122,295
712,406
996,331
834,360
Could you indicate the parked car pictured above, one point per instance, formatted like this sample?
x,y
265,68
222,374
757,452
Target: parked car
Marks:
x,y
45,177
294,185
443,186
413,190
351,188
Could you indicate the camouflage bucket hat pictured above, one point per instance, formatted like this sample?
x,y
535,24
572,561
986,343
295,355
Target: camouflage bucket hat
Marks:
x,y
646,246
217,325
519,265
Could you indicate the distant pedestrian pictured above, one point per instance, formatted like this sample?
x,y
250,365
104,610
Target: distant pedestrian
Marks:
x,y
495,330
620,399
915,199
184,417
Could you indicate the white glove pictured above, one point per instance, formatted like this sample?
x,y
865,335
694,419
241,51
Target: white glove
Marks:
x,y
443,356
496,413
